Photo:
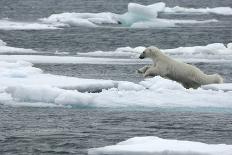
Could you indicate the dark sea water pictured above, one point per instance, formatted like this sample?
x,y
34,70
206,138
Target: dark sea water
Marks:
x,y
27,130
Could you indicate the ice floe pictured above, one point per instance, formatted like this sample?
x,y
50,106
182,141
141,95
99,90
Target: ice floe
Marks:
x,y
23,84
215,51
69,59
8,49
81,19
16,25
23,73
137,16
155,145
216,10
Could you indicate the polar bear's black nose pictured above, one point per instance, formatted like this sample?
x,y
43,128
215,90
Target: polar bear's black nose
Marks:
x,y
141,56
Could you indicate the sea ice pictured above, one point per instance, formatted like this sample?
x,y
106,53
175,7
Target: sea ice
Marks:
x,y
69,59
215,51
8,49
157,146
216,10
21,83
15,25
137,16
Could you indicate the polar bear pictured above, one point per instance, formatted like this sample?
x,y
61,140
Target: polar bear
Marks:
x,y
189,76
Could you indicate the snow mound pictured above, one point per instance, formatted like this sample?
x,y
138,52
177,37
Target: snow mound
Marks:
x,y
47,94
215,51
23,73
217,10
127,52
155,145
69,59
14,25
137,16
21,84
8,49
141,16
80,19
211,51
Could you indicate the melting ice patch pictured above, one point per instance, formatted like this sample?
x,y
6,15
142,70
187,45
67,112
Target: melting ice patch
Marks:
x,y
155,145
14,25
81,19
8,49
210,52
126,52
137,16
217,10
69,59
22,84
23,73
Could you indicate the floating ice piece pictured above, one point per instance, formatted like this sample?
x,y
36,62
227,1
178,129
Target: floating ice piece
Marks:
x,y
91,60
2,43
81,19
20,83
7,49
138,12
119,52
22,73
69,59
137,16
155,145
14,25
215,51
223,87
160,93
217,10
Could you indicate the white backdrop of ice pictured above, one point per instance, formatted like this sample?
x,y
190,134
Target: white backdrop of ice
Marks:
x,y
137,16
8,49
81,19
158,146
15,25
22,84
217,10
69,59
215,51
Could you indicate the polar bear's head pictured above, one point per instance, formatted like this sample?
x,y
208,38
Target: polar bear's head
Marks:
x,y
150,52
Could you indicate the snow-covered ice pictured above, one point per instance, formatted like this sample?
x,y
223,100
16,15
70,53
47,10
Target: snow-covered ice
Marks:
x,y
152,145
8,49
69,59
93,60
16,25
215,51
137,16
23,73
216,10
119,52
81,19
23,84
20,81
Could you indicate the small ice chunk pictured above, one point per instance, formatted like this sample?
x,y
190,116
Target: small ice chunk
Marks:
x,y
14,25
155,145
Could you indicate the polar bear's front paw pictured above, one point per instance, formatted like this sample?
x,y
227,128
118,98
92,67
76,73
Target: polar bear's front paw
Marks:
x,y
139,71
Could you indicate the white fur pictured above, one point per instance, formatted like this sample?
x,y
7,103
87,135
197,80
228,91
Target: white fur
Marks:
x,y
189,76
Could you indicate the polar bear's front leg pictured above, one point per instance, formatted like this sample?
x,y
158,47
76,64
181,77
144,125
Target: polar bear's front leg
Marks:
x,y
143,69
152,71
